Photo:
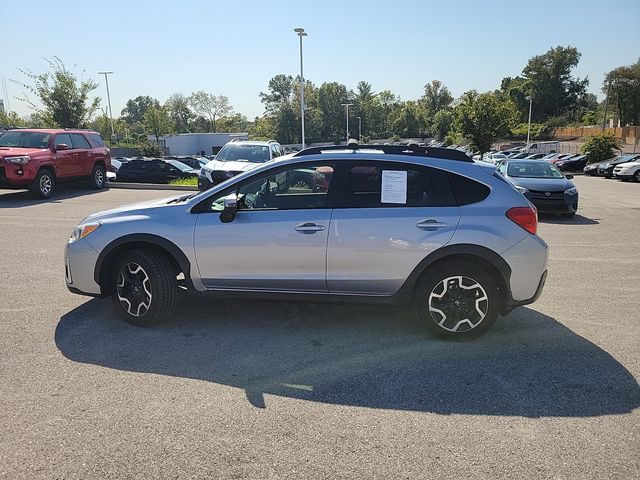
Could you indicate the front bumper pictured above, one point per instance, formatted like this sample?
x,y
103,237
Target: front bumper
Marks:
x,y
623,176
80,261
557,202
15,176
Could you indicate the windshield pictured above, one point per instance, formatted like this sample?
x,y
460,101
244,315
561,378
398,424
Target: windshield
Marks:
x,y
179,165
25,139
247,153
533,170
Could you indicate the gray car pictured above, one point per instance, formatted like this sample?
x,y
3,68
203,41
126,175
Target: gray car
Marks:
x,y
392,224
543,184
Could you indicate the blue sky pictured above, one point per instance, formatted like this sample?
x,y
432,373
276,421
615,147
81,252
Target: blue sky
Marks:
x,y
234,48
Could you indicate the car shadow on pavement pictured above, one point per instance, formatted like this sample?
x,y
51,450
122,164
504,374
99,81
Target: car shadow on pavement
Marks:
x,y
23,198
379,357
575,220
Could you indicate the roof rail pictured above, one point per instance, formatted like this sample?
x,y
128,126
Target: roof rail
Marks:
x,y
412,150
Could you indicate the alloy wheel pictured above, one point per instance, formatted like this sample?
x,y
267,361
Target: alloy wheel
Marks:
x,y
46,185
133,289
98,177
458,303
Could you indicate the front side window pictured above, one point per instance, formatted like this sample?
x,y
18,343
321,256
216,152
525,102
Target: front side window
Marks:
x,y
377,185
65,139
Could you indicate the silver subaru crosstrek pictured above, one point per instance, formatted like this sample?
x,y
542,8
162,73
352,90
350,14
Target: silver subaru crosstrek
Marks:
x,y
372,223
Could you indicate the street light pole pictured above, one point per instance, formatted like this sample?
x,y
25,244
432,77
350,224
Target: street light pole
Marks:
x,y
359,129
530,98
301,33
106,80
347,105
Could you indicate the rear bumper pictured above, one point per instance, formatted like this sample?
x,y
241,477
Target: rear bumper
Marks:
x,y
511,303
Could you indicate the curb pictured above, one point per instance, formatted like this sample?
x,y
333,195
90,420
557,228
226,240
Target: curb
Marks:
x,y
151,186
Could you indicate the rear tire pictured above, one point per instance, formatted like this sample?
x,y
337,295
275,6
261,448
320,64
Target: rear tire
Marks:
x,y
98,177
143,287
457,301
636,176
43,185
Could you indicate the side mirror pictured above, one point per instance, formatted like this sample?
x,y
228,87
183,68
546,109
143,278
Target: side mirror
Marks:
x,y
568,177
61,146
230,210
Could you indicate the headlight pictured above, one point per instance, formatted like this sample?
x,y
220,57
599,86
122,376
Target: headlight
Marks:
x,y
521,189
21,160
83,230
571,191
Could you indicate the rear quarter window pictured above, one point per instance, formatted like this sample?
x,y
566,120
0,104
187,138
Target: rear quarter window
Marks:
x,y
468,191
95,140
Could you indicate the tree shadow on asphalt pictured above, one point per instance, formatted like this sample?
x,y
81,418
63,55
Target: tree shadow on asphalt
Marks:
x,y
575,220
23,198
528,365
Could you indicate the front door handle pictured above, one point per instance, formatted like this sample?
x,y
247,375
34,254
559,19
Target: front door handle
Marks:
x,y
309,228
431,224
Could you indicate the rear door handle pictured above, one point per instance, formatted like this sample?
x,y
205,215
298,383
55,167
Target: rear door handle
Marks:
x,y
309,228
431,224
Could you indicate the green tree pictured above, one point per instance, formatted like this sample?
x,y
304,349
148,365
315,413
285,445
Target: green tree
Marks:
x,y
600,147
158,122
548,79
484,118
442,122
135,108
64,99
331,96
263,128
210,106
233,123
11,119
435,98
279,94
407,123
624,94
178,108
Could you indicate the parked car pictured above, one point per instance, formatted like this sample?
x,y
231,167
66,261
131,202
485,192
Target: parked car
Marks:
x,y
591,169
628,171
566,157
573,164
194,162
388,225
237,157
543,184
606,168
38,159
155,170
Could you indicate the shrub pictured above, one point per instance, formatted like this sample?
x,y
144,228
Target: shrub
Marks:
x,y
149,149
600,147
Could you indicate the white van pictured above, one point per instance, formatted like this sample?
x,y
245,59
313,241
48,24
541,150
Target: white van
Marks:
x,y
543,147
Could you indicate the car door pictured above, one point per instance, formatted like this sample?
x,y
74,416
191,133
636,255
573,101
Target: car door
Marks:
x,y
65,159
82,157
390,217
278,238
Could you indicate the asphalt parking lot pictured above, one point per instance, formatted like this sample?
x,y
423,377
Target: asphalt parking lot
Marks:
x,y
264,389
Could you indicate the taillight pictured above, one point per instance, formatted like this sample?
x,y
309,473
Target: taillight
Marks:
x,y
525,217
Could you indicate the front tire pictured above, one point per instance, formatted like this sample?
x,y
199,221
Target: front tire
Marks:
x,y
143,287
457,301
636,176
98,177
43,185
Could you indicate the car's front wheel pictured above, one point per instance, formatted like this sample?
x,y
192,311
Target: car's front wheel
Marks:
x,y
98,177
143,287
43,185
457,301
636,176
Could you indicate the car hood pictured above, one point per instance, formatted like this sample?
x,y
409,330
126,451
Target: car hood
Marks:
x,y
130,210
230,166
15,151
546,184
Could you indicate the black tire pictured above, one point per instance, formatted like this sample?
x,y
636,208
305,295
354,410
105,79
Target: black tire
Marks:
x,y
98,177
464,320
636,176
143,310
43,185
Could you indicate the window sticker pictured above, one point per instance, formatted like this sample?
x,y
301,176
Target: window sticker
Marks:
x,y
394,186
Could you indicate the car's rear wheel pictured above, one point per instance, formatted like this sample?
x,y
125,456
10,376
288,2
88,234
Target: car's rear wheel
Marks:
x,y
457,301
143,287
43,185
98,177
636,176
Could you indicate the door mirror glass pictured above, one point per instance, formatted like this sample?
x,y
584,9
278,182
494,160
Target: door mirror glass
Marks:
x,y
62,146
230,209
568,177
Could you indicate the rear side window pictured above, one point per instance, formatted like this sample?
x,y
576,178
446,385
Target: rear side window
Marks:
x,y
468,191
95,140
377,185
79,141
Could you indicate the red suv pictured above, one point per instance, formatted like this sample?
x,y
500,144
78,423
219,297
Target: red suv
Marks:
x,y
38,159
